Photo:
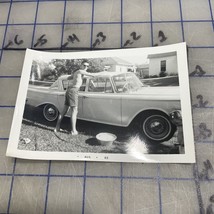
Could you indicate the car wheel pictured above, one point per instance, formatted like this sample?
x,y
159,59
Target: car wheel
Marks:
x,y
50,112
157,127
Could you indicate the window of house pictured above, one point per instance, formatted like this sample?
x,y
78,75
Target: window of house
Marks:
x,y
163,65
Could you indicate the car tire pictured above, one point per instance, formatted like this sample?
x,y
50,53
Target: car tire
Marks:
x,y
50,112
156,127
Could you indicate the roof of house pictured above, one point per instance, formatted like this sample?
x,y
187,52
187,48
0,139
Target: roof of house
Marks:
x,y
160,55
143,66
116,61
110,73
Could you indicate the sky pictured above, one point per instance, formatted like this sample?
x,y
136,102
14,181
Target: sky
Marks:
x,y
138,60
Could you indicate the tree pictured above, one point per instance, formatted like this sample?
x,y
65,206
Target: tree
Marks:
x,y
69,66
57,67
96,65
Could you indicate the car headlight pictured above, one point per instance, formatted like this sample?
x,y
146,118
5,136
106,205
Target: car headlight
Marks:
x,y
176,117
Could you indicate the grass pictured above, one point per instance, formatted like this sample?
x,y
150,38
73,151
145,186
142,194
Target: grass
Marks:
x,y
37,135
44,139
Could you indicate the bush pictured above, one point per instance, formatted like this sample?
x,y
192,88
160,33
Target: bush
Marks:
x,y
163,74
153,76
173,74
146,77
150,76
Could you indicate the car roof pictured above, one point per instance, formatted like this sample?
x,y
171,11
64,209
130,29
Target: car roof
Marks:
x,y
111,73
102,73
64,76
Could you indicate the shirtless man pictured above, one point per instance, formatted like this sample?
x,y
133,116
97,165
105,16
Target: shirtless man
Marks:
x,y
71,97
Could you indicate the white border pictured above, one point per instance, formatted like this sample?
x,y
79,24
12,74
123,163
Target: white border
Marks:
x,y
188,157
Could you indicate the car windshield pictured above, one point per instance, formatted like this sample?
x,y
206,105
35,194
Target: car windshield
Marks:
x,y
127,82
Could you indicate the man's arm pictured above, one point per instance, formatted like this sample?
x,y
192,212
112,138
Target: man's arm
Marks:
x,y
87,73
70,77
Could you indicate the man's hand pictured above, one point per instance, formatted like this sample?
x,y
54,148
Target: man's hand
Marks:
x,y
95,74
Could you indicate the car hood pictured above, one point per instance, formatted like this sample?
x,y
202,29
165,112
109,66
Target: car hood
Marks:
x,y
171,92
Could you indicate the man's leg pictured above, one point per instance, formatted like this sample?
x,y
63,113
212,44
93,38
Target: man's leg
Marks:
x,y
59,120
74,120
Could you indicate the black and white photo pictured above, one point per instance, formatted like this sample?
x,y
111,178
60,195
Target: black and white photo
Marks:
x,y
130,105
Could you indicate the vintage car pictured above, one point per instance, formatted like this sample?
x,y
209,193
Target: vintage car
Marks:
x,y
114,98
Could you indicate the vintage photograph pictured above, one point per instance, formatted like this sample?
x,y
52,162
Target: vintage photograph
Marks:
x,y
121,105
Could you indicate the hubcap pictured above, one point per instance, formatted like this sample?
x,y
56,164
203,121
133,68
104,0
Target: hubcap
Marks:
x,y
50,112
156,127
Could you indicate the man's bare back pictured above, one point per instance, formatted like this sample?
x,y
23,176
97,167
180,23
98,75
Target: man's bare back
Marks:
x,y
78,77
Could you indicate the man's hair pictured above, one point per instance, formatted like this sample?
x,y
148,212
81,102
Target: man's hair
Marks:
x,y
84,61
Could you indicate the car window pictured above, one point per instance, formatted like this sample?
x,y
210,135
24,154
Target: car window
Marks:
x,y
82,88
54,86
119,82
100,84
108,87
127,82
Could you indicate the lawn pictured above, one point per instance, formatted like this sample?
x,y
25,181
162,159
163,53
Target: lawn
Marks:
x,y
43,138
37,135
162,81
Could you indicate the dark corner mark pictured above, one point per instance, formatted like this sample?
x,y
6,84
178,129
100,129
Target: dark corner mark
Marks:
x,y
203,132
162,37
198,189
207,171
15,40
210,207
71,39
41,41
100,38
134,38
201,103
198,71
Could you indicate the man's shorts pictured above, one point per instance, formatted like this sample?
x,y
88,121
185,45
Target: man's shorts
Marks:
x,y
71,97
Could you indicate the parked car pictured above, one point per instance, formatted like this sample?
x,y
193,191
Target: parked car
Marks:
x,y
116,99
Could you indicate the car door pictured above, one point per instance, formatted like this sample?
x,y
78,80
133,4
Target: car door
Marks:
x,y
100,103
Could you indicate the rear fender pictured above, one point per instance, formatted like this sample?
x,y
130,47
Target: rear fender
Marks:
x,y
145,111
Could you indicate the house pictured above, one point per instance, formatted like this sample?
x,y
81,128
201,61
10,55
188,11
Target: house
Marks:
x,y
163,64
119,65
143,70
